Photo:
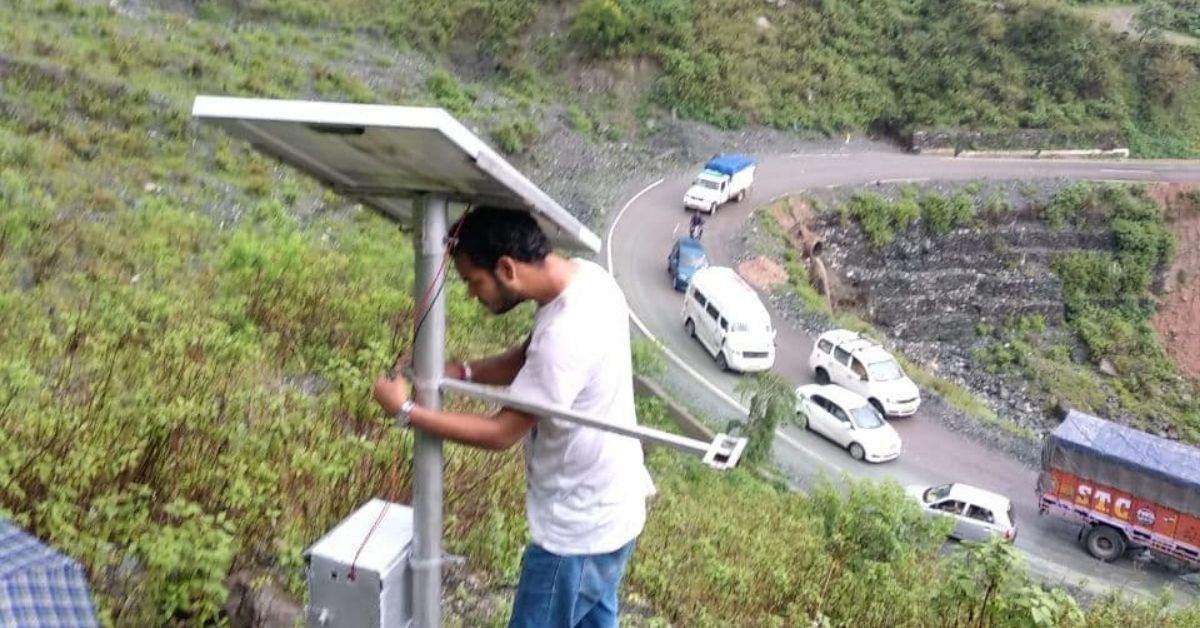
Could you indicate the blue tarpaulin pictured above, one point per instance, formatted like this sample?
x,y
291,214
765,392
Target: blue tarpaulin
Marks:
x,y
729,163
1126,459
39,587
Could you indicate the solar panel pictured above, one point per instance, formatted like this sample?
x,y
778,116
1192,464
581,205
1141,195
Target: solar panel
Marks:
x,y
385,155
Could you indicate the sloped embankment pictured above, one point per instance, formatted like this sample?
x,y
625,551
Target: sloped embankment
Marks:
x,y
1178,318
1035,296
940,291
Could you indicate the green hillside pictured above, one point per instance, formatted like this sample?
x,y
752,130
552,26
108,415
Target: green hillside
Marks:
x,y
188,331
832,66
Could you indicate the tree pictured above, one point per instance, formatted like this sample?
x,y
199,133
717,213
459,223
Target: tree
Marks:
x,y
772,403
1152,18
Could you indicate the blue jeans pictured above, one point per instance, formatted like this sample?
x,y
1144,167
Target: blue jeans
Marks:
x,y
568,591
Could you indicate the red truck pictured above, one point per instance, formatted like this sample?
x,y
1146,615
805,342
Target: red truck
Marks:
x,y
1128,488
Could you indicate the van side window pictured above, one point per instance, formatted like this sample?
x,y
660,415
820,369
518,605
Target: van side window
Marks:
x,y
842,355
724,324
700,298
712,311
825,346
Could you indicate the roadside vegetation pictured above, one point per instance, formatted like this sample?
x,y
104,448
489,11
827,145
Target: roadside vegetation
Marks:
x,y
1109,305
885,65
884,219
188,333
1108,301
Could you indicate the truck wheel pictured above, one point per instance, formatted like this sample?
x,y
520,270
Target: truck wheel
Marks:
x,y
1105,543
822,376
856,451
690,328
741,196
712,209
721,363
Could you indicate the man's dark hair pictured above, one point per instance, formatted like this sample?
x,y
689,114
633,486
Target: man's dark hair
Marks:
x,y
485,234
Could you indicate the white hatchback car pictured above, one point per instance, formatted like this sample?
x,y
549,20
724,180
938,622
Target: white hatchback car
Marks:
x,y
856,362
847,419
978,514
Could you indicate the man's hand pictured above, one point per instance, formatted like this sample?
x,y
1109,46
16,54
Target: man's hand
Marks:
x,y
391,392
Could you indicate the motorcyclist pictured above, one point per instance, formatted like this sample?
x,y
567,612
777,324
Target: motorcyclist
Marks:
x,y
696,226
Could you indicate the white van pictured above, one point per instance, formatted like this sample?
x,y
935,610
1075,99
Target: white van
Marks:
x,y
723,312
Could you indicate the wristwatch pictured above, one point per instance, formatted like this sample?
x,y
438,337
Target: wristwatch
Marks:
x,y
404,416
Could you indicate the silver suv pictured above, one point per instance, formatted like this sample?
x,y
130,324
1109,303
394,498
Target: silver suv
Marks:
x,y
856,362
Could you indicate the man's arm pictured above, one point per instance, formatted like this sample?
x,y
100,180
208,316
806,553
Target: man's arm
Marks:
x,y
499,431
500,369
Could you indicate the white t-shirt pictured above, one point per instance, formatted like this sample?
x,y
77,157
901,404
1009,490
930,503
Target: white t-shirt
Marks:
x,y
587,488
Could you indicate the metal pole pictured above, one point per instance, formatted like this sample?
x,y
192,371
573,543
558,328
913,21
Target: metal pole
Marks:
x,y
429,347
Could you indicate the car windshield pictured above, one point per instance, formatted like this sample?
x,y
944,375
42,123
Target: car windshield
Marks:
x,y
885,371
691,258
866,417
708,184
935,493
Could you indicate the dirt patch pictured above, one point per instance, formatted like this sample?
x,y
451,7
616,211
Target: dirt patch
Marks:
x,y
762,273
1178,319
1120,19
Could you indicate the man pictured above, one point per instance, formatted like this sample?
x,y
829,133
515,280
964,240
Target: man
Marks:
x,y
586,488
696,226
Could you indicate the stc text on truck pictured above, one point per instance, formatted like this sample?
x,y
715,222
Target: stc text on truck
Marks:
x,y
1129,489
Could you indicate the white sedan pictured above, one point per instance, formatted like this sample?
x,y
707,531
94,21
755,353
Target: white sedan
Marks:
x,y
847,419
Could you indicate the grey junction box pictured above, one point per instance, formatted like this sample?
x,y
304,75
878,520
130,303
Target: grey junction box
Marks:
x,y
379,594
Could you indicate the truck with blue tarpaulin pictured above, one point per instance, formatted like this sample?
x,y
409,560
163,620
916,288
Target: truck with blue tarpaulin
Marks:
x,y
725,177
1128,489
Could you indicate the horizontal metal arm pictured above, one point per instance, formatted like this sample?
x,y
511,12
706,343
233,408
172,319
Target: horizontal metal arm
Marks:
x,y
724,452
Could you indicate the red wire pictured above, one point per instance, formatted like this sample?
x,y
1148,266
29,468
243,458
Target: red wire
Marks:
x,y
423,309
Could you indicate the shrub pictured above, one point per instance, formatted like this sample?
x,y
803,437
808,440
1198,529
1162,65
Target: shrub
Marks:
x,y
880,220
648,358
601,26
943,216
516,134
874,216
1068,205
449,94
580,121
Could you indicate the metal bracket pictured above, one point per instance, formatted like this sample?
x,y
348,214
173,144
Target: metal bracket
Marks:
x,y
724,452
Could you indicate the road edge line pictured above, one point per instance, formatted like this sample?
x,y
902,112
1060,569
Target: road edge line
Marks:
x,y
667,351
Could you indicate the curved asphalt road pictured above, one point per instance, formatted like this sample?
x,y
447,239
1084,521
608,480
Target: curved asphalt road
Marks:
x,y
641,237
